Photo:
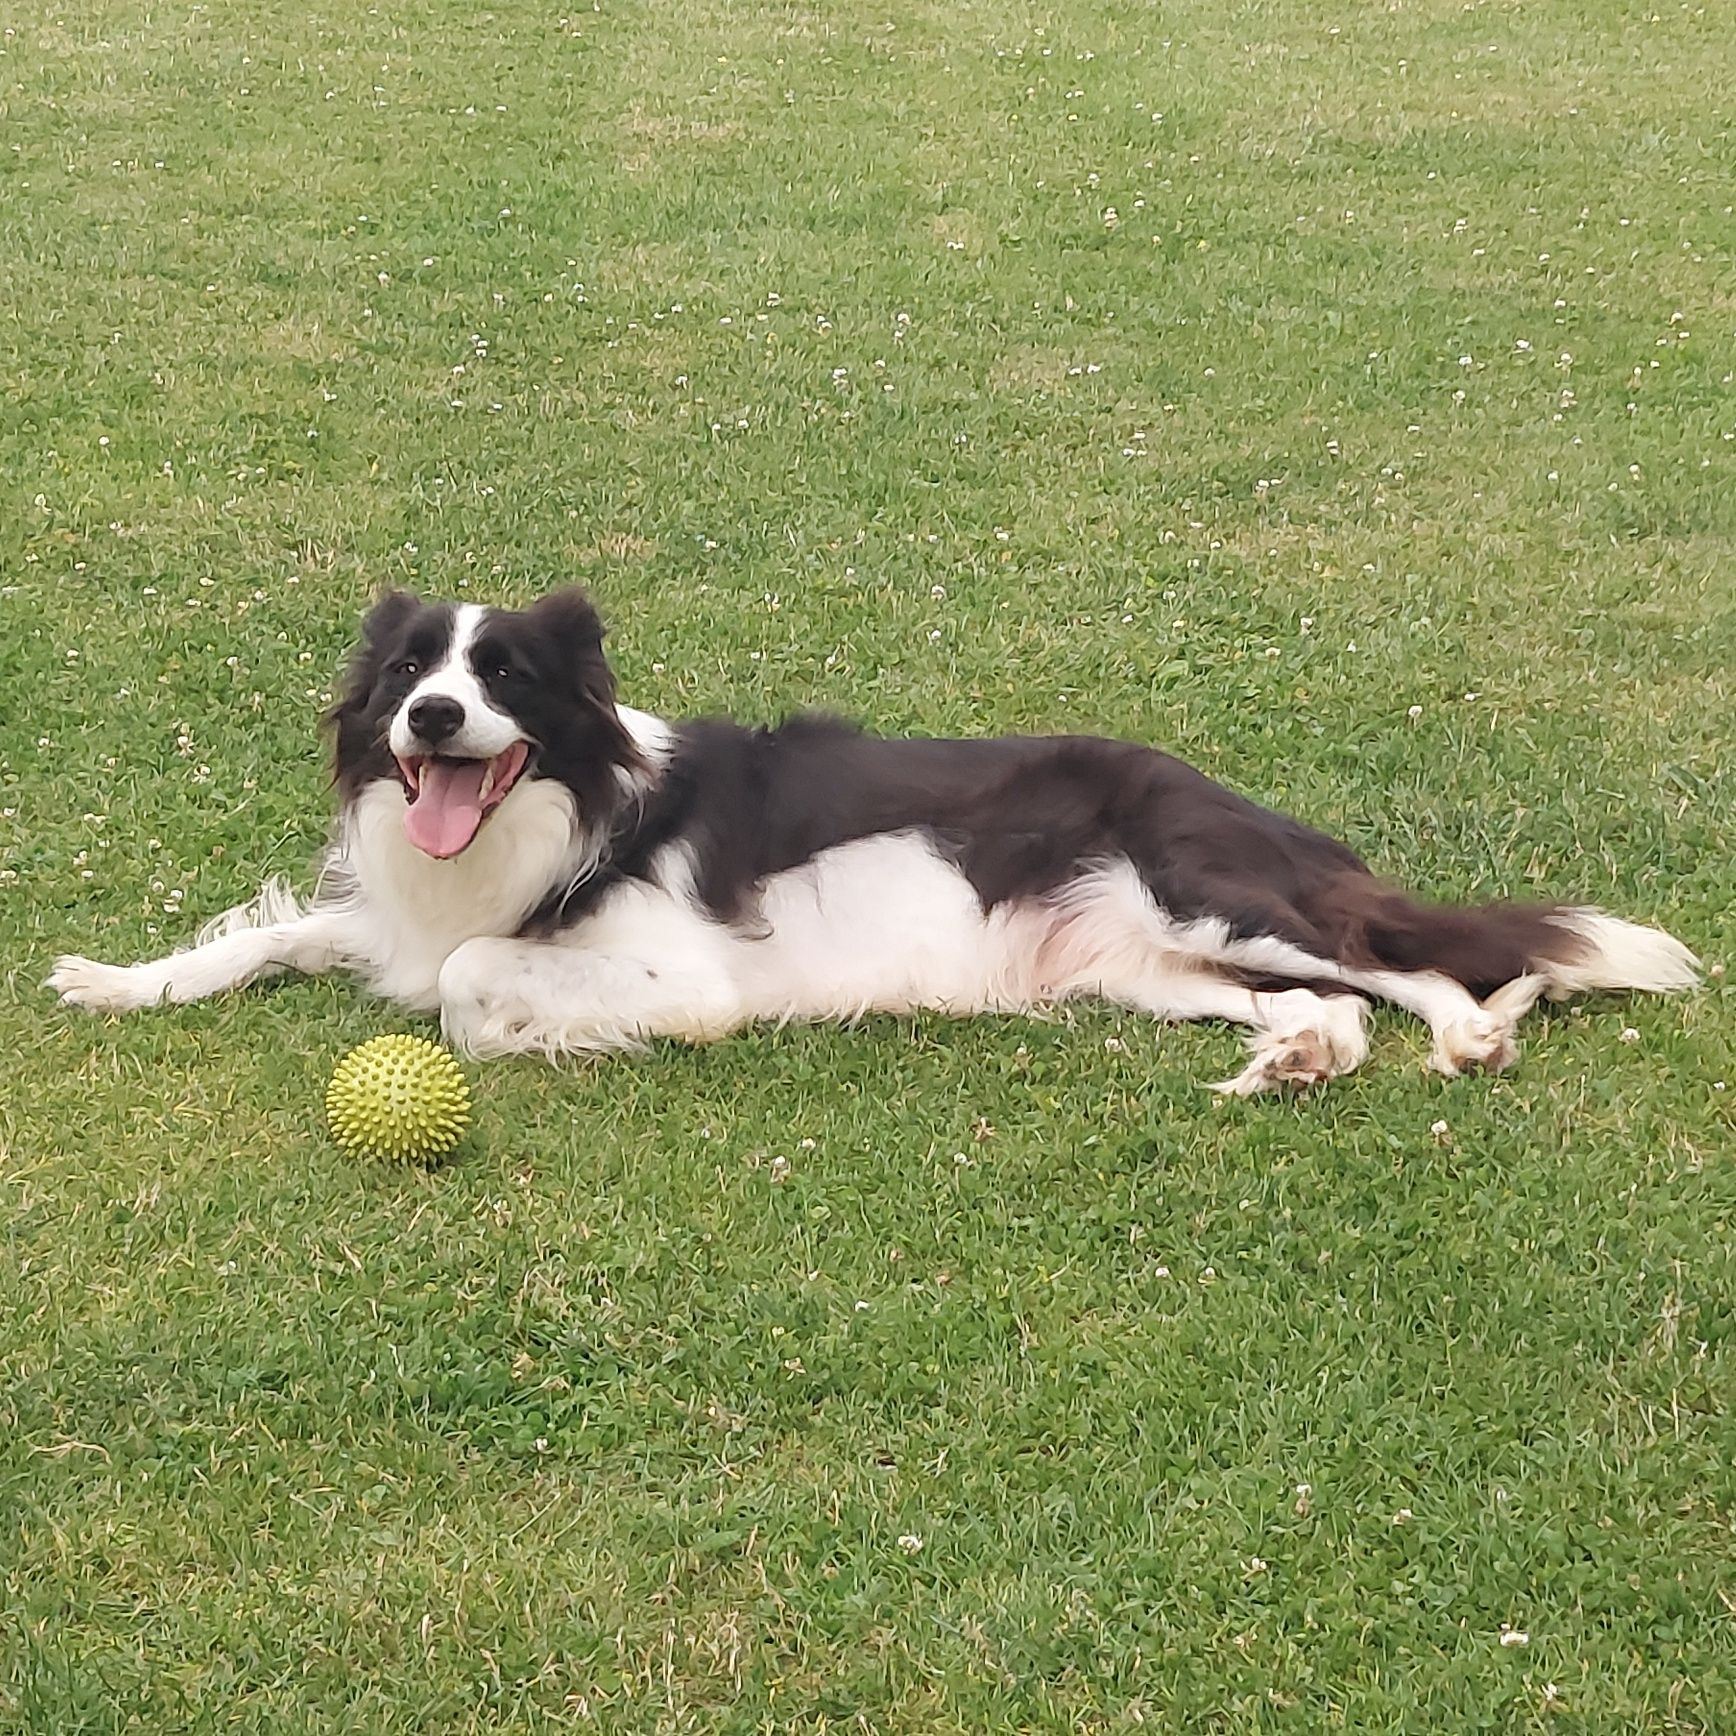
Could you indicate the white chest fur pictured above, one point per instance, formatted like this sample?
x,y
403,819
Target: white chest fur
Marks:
x,y
416,910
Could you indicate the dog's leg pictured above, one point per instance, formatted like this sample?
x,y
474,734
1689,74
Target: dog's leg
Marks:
x,y
1466,1033
1300,1037
505,997
237,948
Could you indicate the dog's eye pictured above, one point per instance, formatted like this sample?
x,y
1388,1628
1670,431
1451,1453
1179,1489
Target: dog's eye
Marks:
x,y
408,666
501,672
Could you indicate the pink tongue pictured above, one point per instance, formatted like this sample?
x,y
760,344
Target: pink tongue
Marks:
x,y
445,814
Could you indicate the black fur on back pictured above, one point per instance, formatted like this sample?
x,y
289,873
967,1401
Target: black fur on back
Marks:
x,y
1021,816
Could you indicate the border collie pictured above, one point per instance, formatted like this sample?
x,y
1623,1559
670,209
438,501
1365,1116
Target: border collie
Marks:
x,y
555,872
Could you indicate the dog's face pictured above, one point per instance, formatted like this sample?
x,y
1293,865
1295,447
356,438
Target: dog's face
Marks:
x,y
460,704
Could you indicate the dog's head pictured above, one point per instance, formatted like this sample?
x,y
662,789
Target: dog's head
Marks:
x,y
461,704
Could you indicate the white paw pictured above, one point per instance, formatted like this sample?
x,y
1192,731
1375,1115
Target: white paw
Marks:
x,y
1344,1025
104,988
1481,1041
1300,1058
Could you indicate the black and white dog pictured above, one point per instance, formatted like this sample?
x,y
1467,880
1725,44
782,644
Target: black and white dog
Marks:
x,y
555,872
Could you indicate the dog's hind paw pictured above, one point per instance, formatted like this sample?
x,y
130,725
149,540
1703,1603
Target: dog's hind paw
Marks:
x,y
1300,1059
1483,1042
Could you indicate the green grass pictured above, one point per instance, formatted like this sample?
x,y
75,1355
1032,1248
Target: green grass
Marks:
x,y
1400,374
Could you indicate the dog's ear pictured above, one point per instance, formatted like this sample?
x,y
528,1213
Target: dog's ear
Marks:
x,y
568,618
570,626
570,631
388,613
381,623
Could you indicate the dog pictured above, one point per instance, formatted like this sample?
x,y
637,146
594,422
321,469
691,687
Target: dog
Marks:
x,y
555,872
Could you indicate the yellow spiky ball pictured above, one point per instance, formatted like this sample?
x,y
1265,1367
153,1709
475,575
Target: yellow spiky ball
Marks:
x,y
398,1096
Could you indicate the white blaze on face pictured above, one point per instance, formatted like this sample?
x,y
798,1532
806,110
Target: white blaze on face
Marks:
x,y
453,782
486,730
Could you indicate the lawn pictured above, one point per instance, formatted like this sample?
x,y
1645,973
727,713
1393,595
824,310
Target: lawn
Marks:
x,y
1339,395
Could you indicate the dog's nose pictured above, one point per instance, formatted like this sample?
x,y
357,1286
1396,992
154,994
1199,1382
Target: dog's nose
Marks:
x,y
436,718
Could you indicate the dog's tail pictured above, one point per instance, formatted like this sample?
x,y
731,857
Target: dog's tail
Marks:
x,y
1569,949
274,903
1610,953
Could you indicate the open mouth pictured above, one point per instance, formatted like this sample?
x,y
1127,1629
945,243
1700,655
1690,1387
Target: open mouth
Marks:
x,y
450,798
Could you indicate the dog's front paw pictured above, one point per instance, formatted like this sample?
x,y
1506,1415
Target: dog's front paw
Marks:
x,y
103,988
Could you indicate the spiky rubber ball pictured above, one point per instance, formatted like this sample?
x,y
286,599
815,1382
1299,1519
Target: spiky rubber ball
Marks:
x,y
398,1096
